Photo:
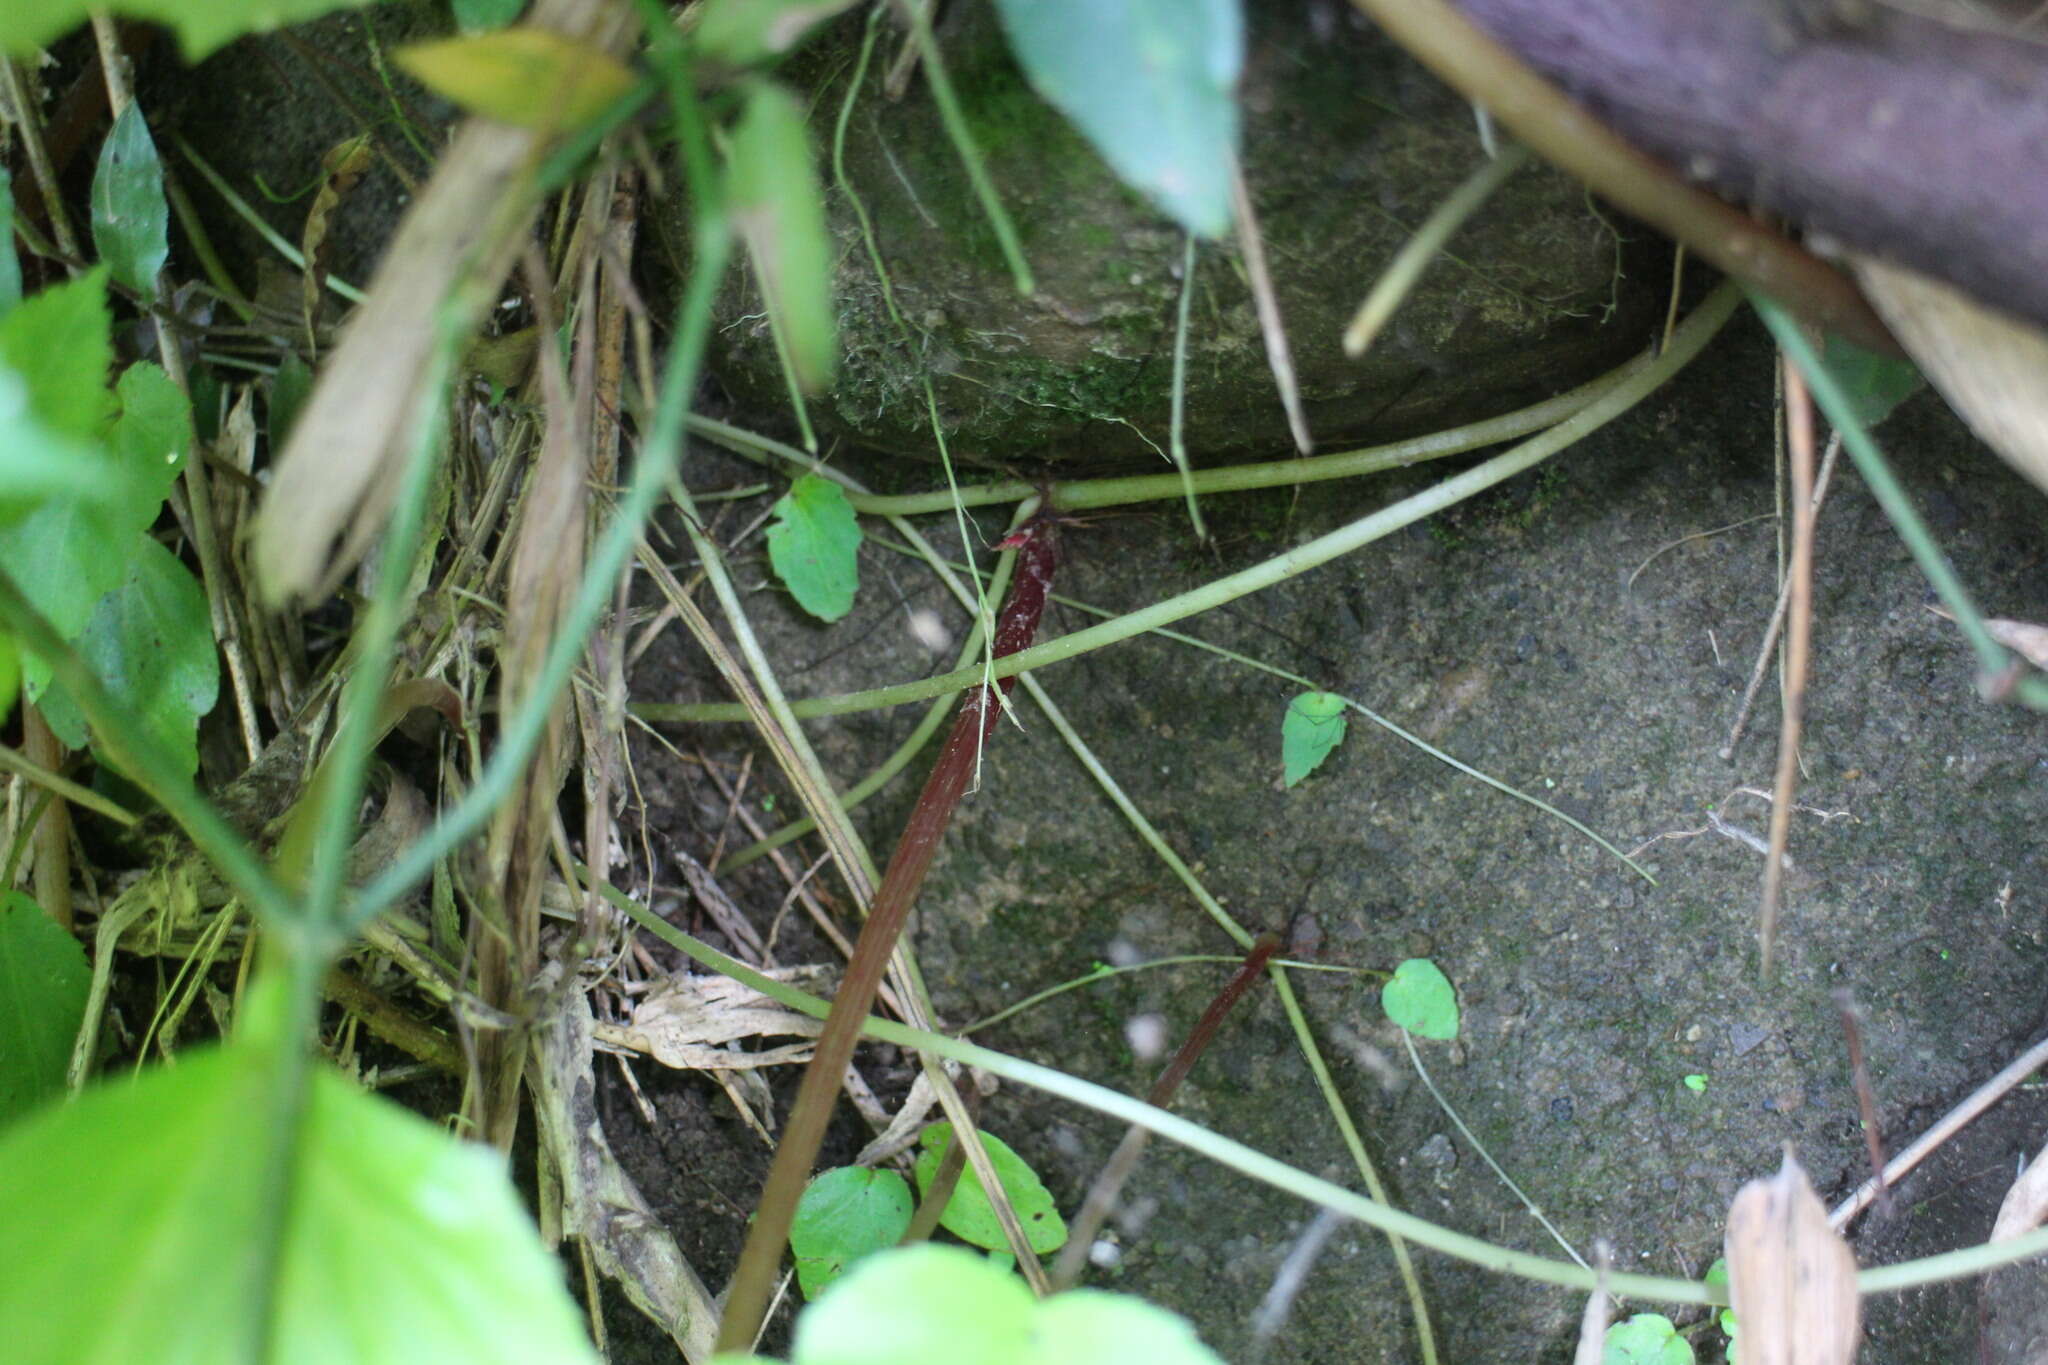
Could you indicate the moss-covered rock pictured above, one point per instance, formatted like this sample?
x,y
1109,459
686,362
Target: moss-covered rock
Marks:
x,y
1348,146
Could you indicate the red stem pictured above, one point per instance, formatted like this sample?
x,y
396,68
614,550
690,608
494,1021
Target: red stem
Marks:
x,y
805,1132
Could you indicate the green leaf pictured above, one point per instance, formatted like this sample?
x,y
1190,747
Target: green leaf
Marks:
x,y
941,1305
755,32
151,438
1696,1083
43,985
779,211
10,263
815,547
1110,1329
484,16
37,465
1420,999
10,674
58,341
846,1214
1645,1339
133,1224
1151,84
201,25
130,218
149,442
527,77
1313,726
289,389
150,643
1717,1278
1875,383
968,1215
917,1305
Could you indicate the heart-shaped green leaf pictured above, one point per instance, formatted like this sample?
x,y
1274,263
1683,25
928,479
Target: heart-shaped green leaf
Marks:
x,y
846,1214
1313,726
1421,999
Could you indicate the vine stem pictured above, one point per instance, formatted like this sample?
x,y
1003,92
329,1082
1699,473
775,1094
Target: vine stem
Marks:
x,y
1949,1265
1691,337
1080,495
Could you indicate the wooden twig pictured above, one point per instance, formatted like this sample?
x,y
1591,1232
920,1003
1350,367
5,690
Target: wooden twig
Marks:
x,y
1798,636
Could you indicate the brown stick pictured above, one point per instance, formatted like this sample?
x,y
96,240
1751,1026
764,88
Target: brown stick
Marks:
x,y
1798,636
1866,1098
805,1131
1102,1194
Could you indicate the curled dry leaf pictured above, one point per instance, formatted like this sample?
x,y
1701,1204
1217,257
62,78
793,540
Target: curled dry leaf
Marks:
x,y
2026,1203
689,1021
1791,1279
1987,363
1592,1348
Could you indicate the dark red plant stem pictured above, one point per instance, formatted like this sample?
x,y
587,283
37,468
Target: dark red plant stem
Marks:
x,y
805,1132
1102,1194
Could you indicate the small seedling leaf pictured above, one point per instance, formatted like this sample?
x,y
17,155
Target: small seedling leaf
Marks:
x,y
1791,1278
1422,1000
130,217
200,27
1696,1083
815,547
1314,725
1646,1339
10,263
1151,84
968,1215
150,643
1717,1277
527,77
43,985
740,33
778,208
1874,383
484,16
138,1237
846,1214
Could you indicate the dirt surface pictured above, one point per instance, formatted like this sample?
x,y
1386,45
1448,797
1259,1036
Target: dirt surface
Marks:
x,y
1509,633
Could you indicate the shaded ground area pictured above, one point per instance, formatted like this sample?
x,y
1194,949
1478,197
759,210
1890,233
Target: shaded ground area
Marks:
x,y
1507,632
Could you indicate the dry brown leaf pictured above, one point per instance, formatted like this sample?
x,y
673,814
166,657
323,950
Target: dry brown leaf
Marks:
x,y
1791,1279
2026,1203
600,1204
334,484
1592,1348
689,1022
341,170
1987,364
2024,638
